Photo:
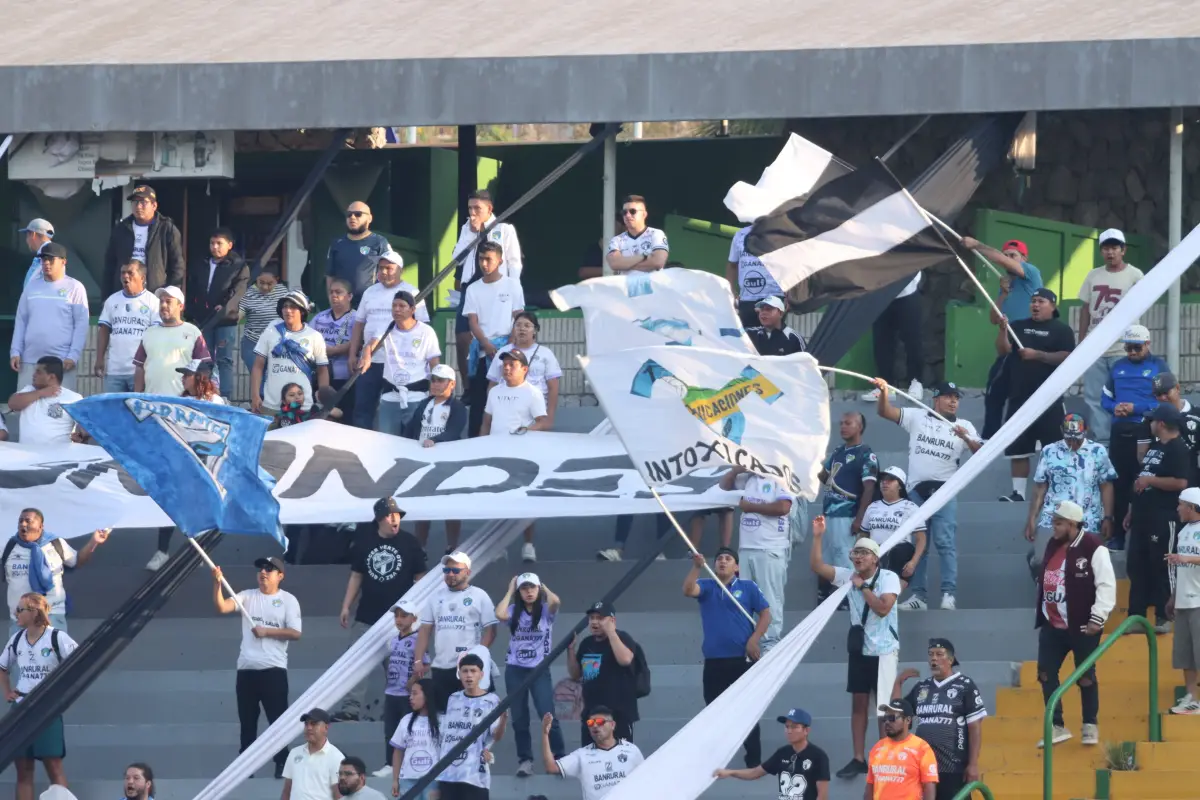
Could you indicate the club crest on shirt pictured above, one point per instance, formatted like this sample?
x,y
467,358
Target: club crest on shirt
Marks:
x,y
622,758
806,764
276,602
62,292
922,695
1081,563
364,249
46,652
466,602
55,411
496,235
953,693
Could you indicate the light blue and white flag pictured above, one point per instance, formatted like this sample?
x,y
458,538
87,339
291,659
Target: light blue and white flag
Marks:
x,y
679,307
199,461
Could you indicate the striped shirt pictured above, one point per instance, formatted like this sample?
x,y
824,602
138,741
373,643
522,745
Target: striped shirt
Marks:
x,y
260,309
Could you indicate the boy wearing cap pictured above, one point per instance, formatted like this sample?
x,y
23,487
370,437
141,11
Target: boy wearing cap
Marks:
x,y
37,233
902,765
1047,342
731,644
166,347
149,237
51,319
311,771
289,351
385,562
262,678
515,406
771,336
123,321
410,350
1184,605
1077,590
398,667
1151,520
802,768
1102,289
1166,390
948,713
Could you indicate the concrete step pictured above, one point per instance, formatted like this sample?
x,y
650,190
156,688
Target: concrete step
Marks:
x,y
1027,701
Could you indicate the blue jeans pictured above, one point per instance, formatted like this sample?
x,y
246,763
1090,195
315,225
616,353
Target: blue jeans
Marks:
x,y
542,694
366,397
838,540
118,383
393,418
1099,421
405,785
942,527
248,353
226,338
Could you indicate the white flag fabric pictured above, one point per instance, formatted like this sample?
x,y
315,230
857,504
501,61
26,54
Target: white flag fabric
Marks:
x,y
798,169
679,409
683,307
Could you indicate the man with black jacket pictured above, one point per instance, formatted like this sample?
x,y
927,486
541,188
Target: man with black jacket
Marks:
x,y
213,295
1166,390
150,238
440,417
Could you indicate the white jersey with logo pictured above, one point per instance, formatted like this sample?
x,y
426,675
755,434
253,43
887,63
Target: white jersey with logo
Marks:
x,y
16,575
141,233
420,747
755,280
406,357
934,452
458,620
759,531
281,370
279,610
600,770
374,312
34,662
127,318
44,421
883,518
504,235
1187,576
434,419
643,244
462,714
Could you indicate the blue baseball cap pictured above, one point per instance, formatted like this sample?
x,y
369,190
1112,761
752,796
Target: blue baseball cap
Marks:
x,y
798,716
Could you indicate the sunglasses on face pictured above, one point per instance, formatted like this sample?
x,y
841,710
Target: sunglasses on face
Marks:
x,y
629,212
893,718
451,570
1132,348
267,569
356,214
22,609
596,722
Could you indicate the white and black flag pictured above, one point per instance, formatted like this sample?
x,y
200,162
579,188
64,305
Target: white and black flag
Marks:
x,y
800,168
856,233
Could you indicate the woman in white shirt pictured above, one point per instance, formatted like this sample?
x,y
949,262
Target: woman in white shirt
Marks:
x,y
416,740
884,516
544,370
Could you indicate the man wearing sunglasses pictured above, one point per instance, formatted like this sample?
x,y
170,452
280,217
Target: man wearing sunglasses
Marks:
x,y
1128,396
1166,390
457,618
355,256
262,678
902,764
599,766
638,248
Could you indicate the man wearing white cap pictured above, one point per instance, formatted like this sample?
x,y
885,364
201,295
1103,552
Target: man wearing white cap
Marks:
x,y
457,618
771,336
167,346
51,320
1184,604
289,351
37,233
873,644
1077,592
1102,289
440,417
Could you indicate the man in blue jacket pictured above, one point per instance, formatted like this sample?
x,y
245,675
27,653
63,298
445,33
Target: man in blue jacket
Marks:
x,y
440,417
1127,397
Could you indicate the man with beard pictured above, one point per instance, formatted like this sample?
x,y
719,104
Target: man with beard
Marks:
x,y
599,766
903,765
949,716
607,662
352,780
139,782
801,767
353,257
1166,390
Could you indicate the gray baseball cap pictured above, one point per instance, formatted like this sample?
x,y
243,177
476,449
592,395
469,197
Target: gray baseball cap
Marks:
x,y
39,225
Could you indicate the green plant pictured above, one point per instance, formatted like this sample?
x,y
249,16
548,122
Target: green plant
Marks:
x,y
1121,756
742,127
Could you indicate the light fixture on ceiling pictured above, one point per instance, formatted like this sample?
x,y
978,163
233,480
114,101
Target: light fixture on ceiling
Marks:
x,y
1023,150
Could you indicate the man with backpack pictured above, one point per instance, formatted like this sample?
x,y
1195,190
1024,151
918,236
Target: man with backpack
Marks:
x,y
613,669
34,561
28,659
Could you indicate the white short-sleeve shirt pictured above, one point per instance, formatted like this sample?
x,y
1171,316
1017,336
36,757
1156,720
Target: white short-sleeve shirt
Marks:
x,y
759,531
126,318
279,610
36,661
934,452
16,574
881,634
543,366
513,407
599,770
643,244
375,312
458,620
883,518
313,775
754,280
406,357
281,370
494,304
45,421
420,746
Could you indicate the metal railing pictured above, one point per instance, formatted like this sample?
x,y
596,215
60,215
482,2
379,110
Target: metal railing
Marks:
x,y
976,786
1088,663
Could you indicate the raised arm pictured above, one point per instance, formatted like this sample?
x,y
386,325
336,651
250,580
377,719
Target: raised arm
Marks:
x,y
691,583
815,562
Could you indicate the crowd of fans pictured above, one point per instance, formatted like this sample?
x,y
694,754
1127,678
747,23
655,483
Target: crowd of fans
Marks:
x,y
1118,480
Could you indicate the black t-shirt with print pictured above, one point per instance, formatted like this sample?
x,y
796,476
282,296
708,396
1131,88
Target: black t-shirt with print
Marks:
x,y
605,681
798,773
389,566
1049,336
1163,460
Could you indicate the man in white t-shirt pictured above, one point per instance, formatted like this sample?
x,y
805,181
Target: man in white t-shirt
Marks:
x,y
638,248
123,321
410,350
1184,604
936,449
490,304
290,351
516,405
457,618
262,678
1102,289
601,765
311,771
371,320
40,405
34,561
166,347
764,540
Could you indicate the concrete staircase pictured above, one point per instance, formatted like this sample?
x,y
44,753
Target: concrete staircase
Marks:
x,y
168,700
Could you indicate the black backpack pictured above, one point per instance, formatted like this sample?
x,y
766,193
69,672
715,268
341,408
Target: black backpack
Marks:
x,y
8,548
12,645
641,672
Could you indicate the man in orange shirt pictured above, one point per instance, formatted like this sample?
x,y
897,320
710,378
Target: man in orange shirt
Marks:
x,y
902,765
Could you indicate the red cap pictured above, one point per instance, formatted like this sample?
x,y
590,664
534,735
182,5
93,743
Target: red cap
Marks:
x,y
1018,245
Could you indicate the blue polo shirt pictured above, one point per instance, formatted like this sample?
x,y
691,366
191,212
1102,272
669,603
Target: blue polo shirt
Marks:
x,y
1020,292
726,630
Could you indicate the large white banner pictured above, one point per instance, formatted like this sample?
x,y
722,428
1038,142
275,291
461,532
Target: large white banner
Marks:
x,y
327,472
678,409
683,307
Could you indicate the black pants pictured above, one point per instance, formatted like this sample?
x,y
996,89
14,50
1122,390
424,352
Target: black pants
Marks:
x,y
461,791
949,785
1151,537
394,709
719,675
164,538
261,687
1122,451
901,320
996,395
446,683
477,392
1053,646
622,726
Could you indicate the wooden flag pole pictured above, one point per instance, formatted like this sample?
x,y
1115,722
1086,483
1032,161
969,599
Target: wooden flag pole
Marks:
x,y
905,395
232,594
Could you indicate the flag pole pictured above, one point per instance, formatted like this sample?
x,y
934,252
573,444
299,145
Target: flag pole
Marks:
x,y
232,594
904,139
958,237
905,395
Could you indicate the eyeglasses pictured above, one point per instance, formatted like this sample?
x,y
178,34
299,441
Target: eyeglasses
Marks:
x,y
629,212
347,773
143,201
356,214
596,722
451,570
893,718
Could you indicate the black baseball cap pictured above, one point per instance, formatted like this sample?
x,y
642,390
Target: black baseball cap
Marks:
x,y
727,551
143,191
52,250
899,704
385,506
316,715
603,609
947,645
274,562
1047,294
514,355
1166,414
1164,382
947,388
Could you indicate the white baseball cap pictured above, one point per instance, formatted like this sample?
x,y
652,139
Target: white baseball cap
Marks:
x,y
1190,495
1069,510
408,607
866,544
458,557
1111,235
1136,334
896,473
529,578
392,257
170,291
772,301
444,371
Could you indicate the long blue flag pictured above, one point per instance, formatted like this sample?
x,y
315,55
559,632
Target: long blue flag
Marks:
x,y
197,460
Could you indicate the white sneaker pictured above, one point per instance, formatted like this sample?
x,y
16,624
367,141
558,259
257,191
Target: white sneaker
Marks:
x,y
915,389
524,769
383,772
611,554
1089,735
949,603
1190,708
913,603
157,560
528,552
1183,701
660,557
873,395
1061,734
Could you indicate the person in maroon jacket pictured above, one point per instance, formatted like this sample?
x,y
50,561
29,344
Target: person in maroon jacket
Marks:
x,y
1077,593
